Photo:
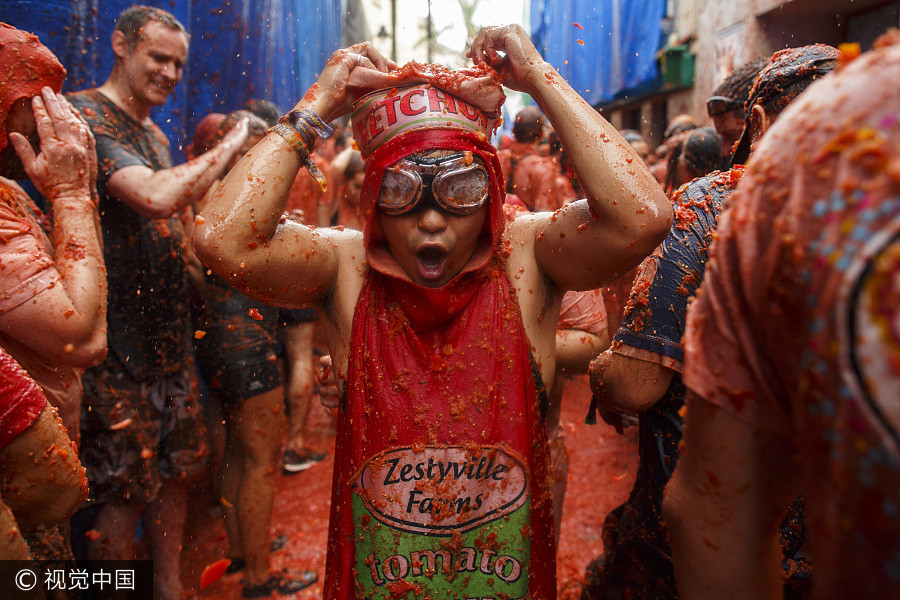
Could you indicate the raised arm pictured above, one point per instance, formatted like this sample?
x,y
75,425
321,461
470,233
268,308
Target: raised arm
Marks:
x,y
64,322
626,214
160,194
241,234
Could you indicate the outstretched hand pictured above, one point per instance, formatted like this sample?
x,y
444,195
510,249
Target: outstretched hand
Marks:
x,y
67,162
509,50
234,139
329,95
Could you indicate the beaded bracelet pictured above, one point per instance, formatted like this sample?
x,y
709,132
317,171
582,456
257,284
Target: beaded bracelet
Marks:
x,y
299,129
309,119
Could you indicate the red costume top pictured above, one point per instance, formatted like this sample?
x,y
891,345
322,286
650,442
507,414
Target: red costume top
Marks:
x,y
441,480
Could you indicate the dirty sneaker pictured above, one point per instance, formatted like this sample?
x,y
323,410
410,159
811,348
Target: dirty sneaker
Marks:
x,y
294,461
284,582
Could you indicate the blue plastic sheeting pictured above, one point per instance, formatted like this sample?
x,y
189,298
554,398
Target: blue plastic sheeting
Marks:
x,y
240,49
617,47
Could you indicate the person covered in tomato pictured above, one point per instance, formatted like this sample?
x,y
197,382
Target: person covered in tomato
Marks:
x,y
350,170
236,346
536,179
43,481
53,303
142,429
440,318
791,351
53,308
641,373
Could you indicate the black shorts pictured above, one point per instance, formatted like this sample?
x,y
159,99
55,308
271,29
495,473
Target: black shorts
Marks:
x,y
297,316
238,369
135,434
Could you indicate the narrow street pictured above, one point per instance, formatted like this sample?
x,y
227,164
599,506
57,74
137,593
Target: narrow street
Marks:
x,y
601,471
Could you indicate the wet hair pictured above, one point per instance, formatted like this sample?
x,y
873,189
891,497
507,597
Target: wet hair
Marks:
x,y
529,125
355,164
698,149
737,85
701,149
632,135
206,135
787,74
680,124
264,109
131,22
255,125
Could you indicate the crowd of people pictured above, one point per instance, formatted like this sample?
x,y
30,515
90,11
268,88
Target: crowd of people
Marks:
x,y
166,328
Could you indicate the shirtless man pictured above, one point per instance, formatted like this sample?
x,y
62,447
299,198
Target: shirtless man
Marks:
x,y
791,354
440,320
142,422
535,179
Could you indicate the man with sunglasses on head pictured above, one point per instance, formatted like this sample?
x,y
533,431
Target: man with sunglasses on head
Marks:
x,y
535,179
726,105
440,318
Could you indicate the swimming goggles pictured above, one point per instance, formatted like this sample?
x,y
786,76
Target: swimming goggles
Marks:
x,y
459,184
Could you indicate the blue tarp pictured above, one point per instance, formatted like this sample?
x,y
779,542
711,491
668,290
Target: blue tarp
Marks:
x,y
240,49
613,49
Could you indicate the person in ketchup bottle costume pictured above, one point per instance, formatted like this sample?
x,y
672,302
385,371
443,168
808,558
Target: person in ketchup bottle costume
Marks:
x,y
440,317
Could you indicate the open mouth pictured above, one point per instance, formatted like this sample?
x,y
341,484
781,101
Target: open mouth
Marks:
x,y
432,262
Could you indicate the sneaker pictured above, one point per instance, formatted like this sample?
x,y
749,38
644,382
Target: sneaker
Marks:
x,y
236,566
278,543
238,563
294,461
284,582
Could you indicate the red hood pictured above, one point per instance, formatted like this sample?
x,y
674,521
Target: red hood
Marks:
x,y
377,253
26,66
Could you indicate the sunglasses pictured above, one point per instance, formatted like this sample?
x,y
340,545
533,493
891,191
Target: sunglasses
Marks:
x,y
719,105
459,184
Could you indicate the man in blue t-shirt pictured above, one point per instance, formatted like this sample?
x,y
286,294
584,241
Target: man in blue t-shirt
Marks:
x,y
142,427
